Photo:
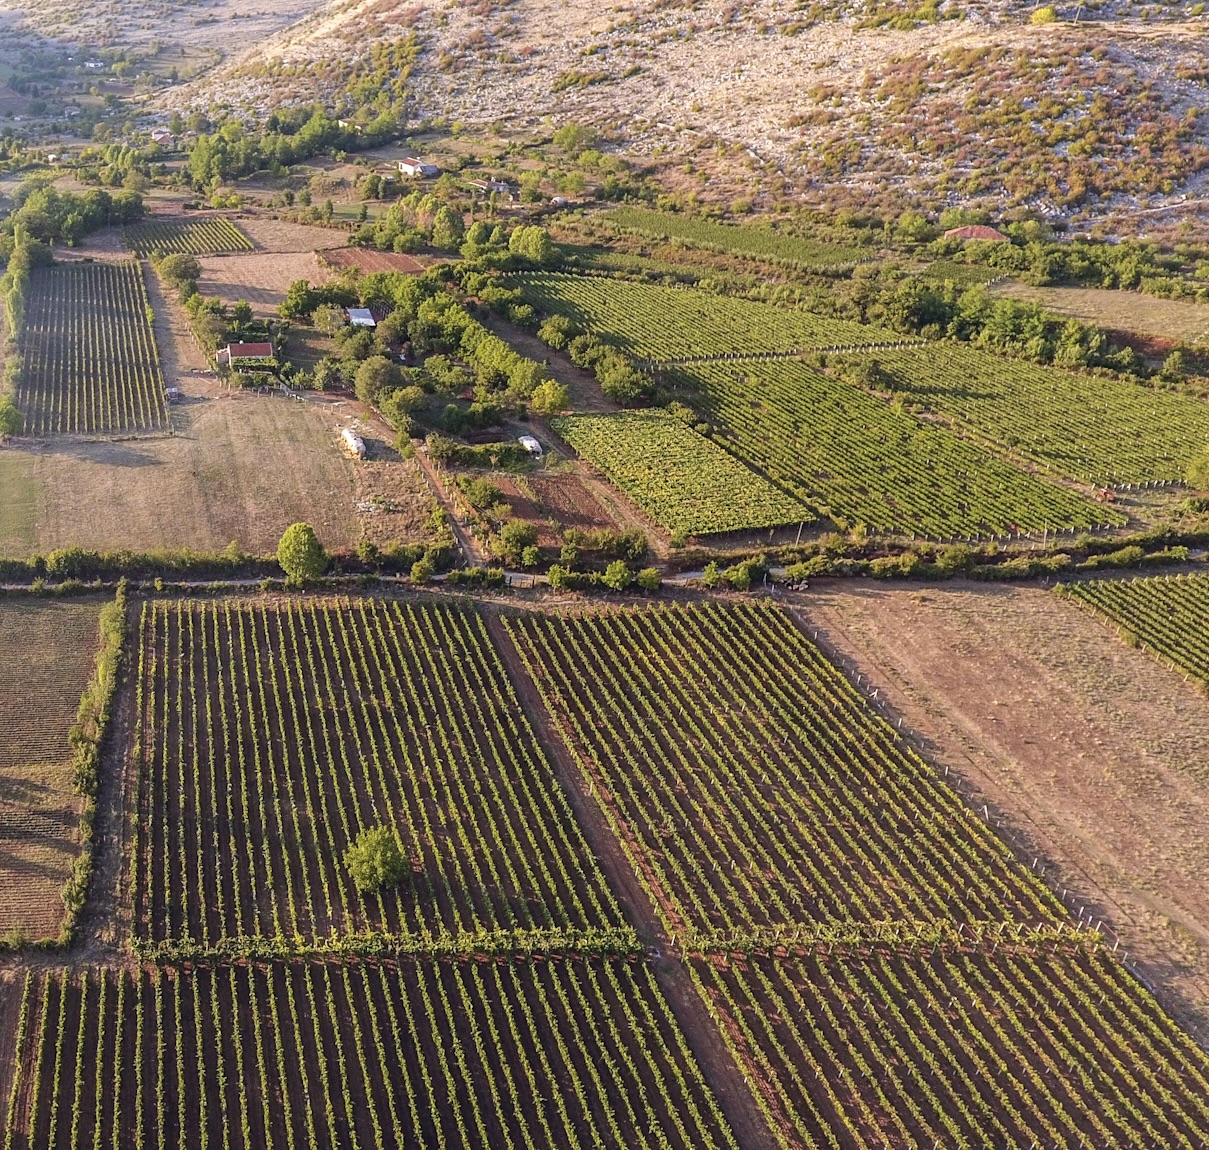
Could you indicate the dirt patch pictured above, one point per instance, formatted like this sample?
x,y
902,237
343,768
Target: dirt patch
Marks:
x,y
585,391
1086,747
262,279
283,236
365,260
47,652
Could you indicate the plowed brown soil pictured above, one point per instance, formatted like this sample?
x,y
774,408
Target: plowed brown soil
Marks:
x,y
1094,755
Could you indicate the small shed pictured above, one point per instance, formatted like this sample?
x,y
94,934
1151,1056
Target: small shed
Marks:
x,y
361,317
530,444
246,355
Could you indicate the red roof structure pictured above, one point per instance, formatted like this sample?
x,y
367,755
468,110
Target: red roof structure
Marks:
x,y
236,351
974,232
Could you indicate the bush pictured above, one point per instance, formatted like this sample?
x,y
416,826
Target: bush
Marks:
x,y
617,576
300,553
649,579
375,860
513,538
477,577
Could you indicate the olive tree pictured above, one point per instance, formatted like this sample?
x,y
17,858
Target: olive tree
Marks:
x,y
375,859
300,553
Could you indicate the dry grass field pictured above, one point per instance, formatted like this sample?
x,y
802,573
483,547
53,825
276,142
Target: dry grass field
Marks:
x,y
1177,320
241,468
262,278
1092,751
47,652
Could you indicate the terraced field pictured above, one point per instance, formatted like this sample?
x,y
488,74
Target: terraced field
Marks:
x,y
681,479
1168,615
662,324
1094,428
861,460
206,235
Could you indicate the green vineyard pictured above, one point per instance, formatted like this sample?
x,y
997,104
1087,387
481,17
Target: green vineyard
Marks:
x,y
1023,1047
681,479
297,1056
861,460
89,360
269,738
769,793
1169,615
883,971
664,324
205,235
1094,428
762,243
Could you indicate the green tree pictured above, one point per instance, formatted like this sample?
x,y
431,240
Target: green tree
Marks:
x,y
1198,472
617,575
11,420
513,538
300,553
550,397
574,138
181,271
448,228
375,859
558,577
375,377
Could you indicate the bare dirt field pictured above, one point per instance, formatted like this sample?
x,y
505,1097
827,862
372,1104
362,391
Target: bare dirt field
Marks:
x,y
1092,753
1167,319
262,278
270,235
366,260
47,652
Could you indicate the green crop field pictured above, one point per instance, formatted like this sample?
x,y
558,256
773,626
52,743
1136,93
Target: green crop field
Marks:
x,y
1098,429
858,459
295,1056
762,799
1168,614
681,479
884,972
1033,1045
661,324
205,235
89,360
270,737
760,242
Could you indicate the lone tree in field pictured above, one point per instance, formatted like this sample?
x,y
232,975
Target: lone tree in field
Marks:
x,y
375,860
300,553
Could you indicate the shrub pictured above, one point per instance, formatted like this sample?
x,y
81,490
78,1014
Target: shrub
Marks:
x,y
649,579
617,575
375,859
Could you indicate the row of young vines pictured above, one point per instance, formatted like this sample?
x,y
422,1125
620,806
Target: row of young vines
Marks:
x,y
296,1056
90,363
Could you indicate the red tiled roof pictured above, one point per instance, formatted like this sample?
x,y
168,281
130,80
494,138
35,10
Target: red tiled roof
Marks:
x,y
249,350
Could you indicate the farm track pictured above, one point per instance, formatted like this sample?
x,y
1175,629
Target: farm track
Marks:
x,y
722,1073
